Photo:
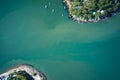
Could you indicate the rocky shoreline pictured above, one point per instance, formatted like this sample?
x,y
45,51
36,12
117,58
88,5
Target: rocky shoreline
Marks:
x,y
36,75
67,4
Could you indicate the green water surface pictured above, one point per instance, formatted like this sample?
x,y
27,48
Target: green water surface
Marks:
x,y
54,44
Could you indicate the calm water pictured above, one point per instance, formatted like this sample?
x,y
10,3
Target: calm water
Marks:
x,y
61,48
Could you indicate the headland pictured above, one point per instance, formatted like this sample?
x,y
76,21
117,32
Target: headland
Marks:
x,y
84,11
23,72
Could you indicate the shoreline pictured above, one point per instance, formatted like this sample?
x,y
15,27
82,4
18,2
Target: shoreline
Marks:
x,y
67,5
27,68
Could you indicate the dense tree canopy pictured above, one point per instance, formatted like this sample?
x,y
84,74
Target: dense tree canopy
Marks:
x,y
88,9
21,75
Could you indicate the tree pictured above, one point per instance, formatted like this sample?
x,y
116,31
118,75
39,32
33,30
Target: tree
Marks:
x,y
104,13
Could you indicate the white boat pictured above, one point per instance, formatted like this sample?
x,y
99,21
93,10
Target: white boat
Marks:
x,y
46,6
53,10
64,7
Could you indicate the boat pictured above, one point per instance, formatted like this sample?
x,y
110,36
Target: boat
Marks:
x,y
46,6
53,10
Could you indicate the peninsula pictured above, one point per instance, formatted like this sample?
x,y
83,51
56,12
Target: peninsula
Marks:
x,y
84,11
23,72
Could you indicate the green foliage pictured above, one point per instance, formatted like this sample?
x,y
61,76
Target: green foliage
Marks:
x,y
104,14
21,75
17,76
85,8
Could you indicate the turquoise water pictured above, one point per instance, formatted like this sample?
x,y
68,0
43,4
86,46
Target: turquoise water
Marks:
x,y
61,48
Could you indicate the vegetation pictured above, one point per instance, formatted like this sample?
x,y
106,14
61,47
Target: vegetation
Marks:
x,y
21,75
94,9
